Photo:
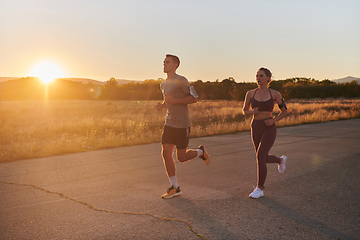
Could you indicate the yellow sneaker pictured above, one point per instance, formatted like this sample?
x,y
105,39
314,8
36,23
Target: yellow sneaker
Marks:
x,y
205,156
172,192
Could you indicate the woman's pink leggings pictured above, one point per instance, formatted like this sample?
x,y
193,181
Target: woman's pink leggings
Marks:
x,y
263,138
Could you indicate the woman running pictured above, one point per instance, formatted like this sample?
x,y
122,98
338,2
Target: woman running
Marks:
x,y
263,128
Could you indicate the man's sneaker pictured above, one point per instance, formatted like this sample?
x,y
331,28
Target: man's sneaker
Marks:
x,y
205,156
172,192
281,167
257,193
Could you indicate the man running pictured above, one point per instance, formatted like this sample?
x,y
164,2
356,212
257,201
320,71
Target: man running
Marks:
x,y
177,94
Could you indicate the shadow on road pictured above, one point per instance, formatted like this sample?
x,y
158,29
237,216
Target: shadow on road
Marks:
x,y
202,218
301,219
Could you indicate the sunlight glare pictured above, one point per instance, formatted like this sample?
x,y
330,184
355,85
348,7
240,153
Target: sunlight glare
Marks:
x,y
47,71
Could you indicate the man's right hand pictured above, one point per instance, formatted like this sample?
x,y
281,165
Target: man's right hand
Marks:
x,y
159,106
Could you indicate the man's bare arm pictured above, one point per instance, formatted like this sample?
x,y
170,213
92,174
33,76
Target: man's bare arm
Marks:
x,y
187,100
161,105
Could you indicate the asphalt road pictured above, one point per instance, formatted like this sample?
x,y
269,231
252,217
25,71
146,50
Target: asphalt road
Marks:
x,y
116,193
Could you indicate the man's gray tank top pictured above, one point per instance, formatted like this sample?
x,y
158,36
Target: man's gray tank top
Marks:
x,y
177,114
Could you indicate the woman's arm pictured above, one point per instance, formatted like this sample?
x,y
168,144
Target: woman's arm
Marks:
x,y
246,106
283,109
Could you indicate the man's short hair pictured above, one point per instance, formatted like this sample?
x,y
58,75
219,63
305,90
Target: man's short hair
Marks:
x,y
174,58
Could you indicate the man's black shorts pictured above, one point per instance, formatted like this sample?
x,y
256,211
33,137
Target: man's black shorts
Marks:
x,y
176,136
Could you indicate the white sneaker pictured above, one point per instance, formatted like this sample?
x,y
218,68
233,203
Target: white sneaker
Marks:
x,y
257,193
281,167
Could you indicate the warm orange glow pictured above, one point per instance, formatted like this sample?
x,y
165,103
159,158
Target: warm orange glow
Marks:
x,y
47,71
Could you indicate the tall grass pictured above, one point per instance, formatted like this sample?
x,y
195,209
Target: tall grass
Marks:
x,y
30,129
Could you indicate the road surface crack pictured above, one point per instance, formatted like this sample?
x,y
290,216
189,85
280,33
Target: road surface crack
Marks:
x,y
109,211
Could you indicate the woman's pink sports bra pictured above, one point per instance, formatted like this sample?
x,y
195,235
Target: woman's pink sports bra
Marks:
x,y
265,106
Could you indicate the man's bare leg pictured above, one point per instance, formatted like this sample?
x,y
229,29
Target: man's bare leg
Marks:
x,y
169,162
184,155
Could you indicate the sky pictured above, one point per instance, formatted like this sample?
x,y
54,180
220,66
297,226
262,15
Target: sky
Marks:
x,y
317,39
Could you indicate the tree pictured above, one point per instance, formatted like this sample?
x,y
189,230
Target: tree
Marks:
x,y
110,90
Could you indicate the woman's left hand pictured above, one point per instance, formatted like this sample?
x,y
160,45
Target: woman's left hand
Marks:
x,y
269,122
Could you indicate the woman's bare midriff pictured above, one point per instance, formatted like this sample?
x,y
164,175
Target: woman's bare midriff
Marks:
x,y
262,115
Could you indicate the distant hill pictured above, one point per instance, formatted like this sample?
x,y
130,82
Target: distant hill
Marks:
x,y
3,79
83,80
124,81
346,79
87,80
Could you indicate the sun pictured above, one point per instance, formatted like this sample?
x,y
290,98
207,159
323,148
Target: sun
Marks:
x,y
47,71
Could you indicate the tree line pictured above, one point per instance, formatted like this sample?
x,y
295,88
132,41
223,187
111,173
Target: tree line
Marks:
x,y
227,89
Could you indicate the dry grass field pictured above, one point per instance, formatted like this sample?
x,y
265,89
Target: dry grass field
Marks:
x,y
31,129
